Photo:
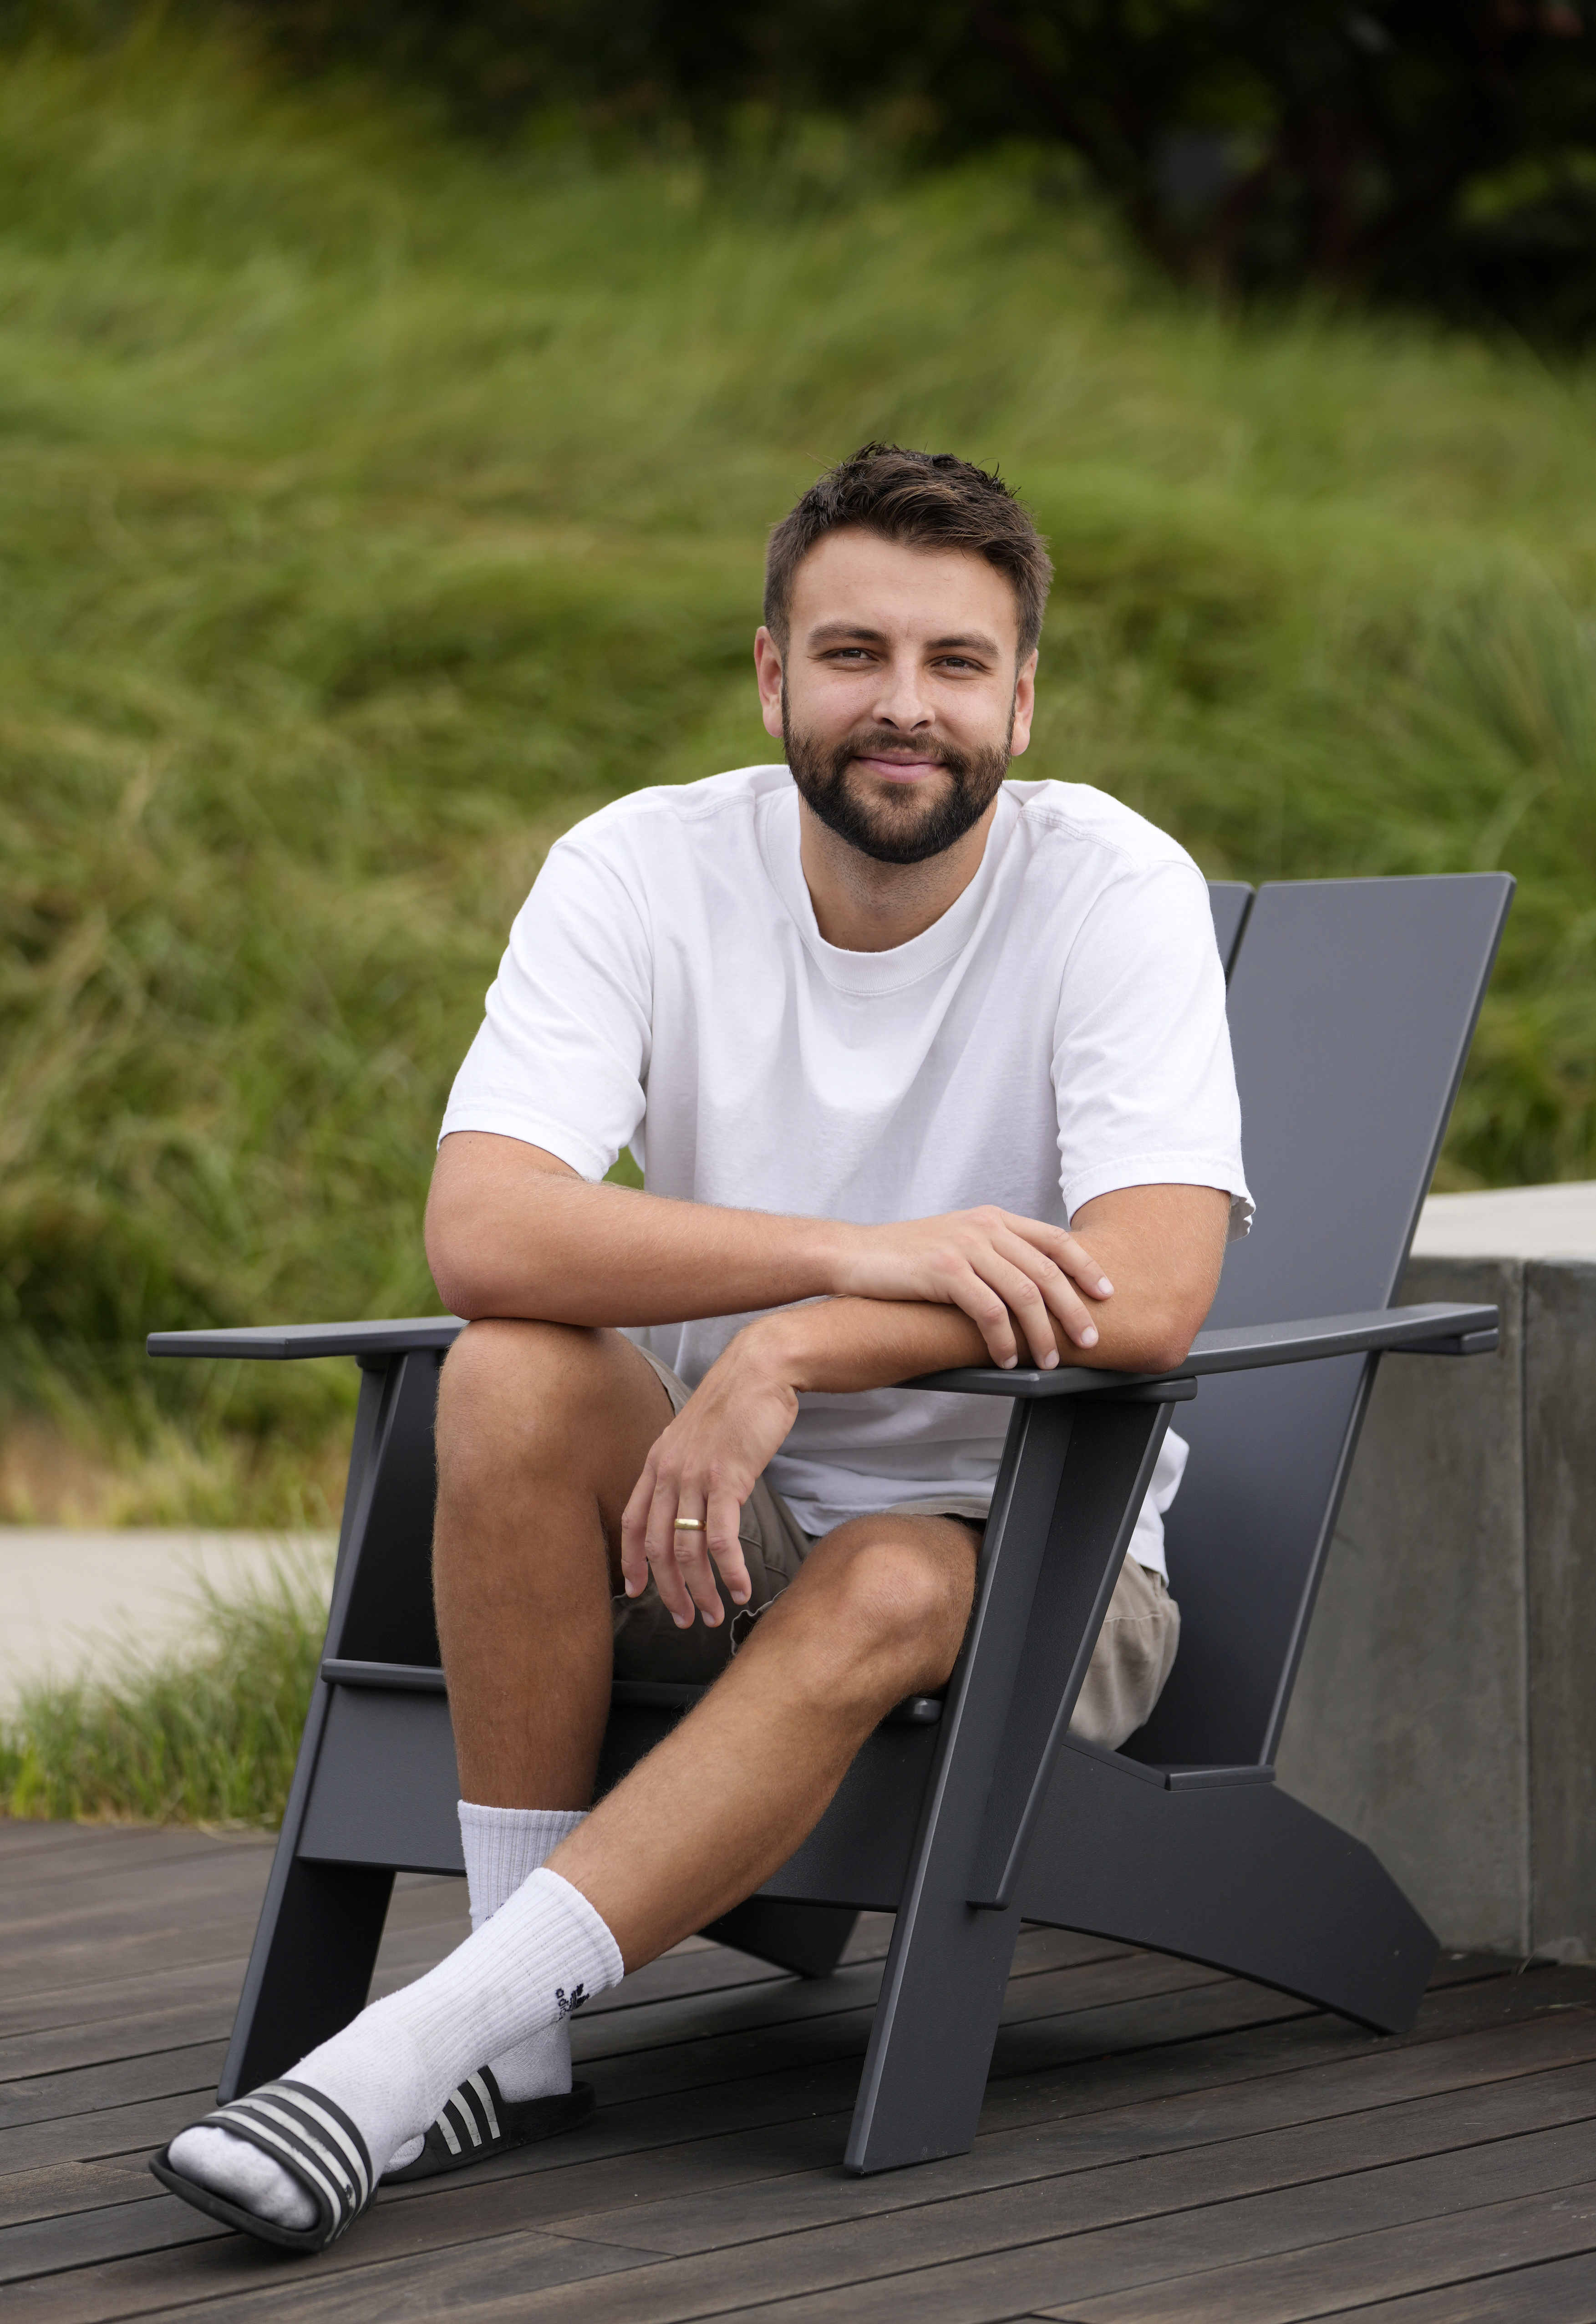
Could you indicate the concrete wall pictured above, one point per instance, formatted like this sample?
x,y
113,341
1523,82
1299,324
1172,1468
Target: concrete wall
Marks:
x,y
1446,1706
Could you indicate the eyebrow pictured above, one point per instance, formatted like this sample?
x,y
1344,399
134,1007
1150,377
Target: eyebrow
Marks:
x,y
835,633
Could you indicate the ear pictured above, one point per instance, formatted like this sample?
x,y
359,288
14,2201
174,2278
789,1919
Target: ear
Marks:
x,y
768,668
1025,704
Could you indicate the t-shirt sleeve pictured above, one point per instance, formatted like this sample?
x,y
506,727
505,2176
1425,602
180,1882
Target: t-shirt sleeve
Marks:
x,y
562,1059
1142,1072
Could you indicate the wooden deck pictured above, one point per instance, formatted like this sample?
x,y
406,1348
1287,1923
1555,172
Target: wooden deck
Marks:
x,y
1160,2142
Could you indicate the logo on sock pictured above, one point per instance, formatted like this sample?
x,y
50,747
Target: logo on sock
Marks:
x,y
564,2007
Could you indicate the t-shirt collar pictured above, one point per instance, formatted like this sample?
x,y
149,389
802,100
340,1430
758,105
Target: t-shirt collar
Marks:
x,y
904,964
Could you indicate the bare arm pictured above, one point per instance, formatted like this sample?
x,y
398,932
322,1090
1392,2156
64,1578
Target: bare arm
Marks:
x,y
1165,1245
512,1231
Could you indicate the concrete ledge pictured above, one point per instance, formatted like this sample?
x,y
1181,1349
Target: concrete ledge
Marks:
x,y
1445,1710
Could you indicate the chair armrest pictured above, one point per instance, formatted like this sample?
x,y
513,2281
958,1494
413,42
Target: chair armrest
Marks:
x,y
1439,1329
281,1343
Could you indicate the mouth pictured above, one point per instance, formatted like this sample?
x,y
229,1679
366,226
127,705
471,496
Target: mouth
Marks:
x,y
901,769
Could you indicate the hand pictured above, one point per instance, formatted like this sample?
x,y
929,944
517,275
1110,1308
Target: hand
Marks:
x,y
999,1268
706,1465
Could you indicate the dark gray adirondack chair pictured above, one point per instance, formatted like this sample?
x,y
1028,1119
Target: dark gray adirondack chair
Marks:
x,y
1352,1005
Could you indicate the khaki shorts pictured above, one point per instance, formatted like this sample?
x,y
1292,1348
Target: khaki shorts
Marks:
x,y
1132,1659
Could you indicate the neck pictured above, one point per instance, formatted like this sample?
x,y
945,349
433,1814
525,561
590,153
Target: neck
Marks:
x,y
863,906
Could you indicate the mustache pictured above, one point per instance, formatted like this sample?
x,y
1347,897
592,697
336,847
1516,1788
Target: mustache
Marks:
x,y
873,742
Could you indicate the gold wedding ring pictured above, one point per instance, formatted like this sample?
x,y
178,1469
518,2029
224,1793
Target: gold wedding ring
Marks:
x,y
688,1525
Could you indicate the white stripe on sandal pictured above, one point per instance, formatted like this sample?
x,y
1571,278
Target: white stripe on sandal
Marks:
x,y
315,2141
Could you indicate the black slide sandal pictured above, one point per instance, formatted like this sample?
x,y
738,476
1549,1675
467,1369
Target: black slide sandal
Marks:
x,y
478,2121
313,2139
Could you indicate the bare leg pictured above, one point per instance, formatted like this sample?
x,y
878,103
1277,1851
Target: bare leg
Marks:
x,y
878,1611
542,1431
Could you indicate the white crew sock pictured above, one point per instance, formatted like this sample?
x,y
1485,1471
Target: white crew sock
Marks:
x,y
540,1956
502,1847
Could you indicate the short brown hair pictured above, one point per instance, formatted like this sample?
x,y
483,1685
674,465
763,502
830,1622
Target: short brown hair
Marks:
x,y
923,500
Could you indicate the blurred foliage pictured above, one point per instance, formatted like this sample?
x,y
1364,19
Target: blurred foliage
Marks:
x,y
1438,150
205,1736
1442,151
372,504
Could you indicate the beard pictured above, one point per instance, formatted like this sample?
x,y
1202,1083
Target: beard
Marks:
x,y
897,827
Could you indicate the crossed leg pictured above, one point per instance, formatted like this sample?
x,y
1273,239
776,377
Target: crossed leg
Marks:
x,y
542,1431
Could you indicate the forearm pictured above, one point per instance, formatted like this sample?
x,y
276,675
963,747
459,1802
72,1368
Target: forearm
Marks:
x,y
512,1231
840,1347
1161,1246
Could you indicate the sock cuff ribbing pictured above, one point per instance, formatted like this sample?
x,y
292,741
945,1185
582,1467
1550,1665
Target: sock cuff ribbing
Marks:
x,y
503,1847
605,1966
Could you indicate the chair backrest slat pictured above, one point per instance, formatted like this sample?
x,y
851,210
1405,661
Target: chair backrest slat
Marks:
x,y
1352,1004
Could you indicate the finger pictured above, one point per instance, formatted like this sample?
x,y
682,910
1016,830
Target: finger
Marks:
x,y
1045,1269
1067,1251
1080,1265
634,1520
692,1559
1023,1297
687,1560
1054,1287
990,1316
725,1547
661,1539
1024,1302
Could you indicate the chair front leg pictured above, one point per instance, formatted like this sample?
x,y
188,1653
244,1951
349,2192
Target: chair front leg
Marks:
x,y
311,1966
1073,1474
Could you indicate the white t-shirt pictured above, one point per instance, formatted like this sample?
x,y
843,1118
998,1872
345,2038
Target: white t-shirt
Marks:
x,y
1059,1032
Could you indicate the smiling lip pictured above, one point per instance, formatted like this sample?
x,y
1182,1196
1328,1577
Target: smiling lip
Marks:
x,y
901,771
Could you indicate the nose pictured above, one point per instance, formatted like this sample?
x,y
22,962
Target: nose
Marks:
x,y
899,702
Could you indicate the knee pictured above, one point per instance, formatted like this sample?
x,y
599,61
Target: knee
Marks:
x,y
906,1604
506,1389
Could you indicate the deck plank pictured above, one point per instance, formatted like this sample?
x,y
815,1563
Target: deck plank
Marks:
x,y
1548,2292
1158,2142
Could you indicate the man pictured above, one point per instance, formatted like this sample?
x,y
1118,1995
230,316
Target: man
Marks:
x,y
926,1069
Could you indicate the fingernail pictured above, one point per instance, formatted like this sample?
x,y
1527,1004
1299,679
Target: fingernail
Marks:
x,y
1089,1337
682,1621
1105,1286
1049,1359
1009,1363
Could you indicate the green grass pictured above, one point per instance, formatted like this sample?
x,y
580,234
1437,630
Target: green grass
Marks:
x,y
370,507
205,1736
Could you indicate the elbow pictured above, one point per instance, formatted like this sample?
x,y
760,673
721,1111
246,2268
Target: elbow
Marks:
x,y
1166,1346
452,1256
453,1282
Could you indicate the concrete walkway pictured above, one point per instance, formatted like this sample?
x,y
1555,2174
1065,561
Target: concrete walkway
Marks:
x,y
74,1598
